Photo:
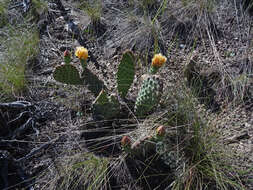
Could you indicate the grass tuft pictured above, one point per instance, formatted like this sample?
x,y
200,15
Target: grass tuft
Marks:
x,y
18,47
207,163
190,19
84,171
93,9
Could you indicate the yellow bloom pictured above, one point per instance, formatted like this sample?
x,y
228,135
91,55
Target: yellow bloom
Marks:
x,y
158,60
81,53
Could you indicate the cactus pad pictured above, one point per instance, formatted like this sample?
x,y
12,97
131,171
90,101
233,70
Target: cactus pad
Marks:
x,y
105,107
149,94
95,85
67,74
125,74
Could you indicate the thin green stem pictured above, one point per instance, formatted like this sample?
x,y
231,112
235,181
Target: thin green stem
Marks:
x,y
161,8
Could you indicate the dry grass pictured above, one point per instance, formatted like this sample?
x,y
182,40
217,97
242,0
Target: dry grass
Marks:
x,y
190,20
207,166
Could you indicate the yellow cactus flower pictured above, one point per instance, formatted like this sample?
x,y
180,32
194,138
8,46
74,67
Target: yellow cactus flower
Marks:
x,y
158,60
81,53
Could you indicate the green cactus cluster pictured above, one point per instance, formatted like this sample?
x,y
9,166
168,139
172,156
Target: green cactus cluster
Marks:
x,y
69,74
148,96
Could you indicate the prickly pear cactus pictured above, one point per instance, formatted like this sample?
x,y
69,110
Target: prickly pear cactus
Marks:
x,y
143,147
105,107
145,144
169,156
125,74
156,150
67,74
149,94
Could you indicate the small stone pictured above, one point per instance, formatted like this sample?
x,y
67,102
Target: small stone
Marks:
x,y
182,46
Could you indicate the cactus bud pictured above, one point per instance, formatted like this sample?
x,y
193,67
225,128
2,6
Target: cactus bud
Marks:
x,y
125,141
160,132
157,62
67,56
126,144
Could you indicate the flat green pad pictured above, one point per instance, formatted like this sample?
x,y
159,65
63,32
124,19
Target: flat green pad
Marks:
x,y
94,84
126,72
67,74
